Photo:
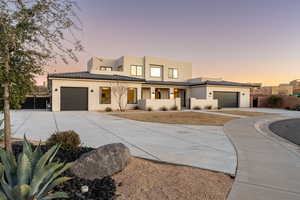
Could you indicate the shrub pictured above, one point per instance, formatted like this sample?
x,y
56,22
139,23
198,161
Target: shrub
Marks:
x,y
196,108
296,107
219,107
275,101
149,109
108,109
33,175
69,140
174,107
164,108
136,107
209,107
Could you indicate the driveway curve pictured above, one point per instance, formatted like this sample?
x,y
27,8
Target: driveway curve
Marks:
x,y
205,147
288,129
267,168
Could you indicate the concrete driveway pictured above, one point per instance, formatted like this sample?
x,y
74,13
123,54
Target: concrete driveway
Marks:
x,y
204,147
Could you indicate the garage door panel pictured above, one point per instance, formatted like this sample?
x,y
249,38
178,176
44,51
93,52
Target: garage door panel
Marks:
x,y
227,99
74,98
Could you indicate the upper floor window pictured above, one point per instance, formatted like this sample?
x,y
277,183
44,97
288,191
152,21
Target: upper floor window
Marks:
x,y
136,70
173,73
104,68
155,71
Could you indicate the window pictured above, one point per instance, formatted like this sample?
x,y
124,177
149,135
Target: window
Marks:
x,y
105,95
172,73
131,95
176,93
104,68
136,70
155,71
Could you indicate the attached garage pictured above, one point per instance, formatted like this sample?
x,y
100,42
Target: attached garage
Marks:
x,y
74,98
227,99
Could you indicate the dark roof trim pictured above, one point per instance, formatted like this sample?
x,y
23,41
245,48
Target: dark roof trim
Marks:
x,y
222,83
87,75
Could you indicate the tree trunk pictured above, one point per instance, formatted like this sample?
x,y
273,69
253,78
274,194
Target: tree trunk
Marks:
x,y
7,125
6,109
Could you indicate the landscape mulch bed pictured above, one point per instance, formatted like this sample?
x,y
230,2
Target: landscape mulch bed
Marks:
x,y
99,189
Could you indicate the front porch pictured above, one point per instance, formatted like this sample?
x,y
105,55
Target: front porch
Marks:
x,y
157,98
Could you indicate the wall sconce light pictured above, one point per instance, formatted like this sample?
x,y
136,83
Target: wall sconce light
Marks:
x,y
210,93
92,90
153,92
55,89
243,94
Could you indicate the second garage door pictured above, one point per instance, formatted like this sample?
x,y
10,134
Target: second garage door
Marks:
x,y
73,98
227,99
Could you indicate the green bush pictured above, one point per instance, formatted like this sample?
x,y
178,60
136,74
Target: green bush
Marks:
x,y
174,107
196,108
69,140
33,175
275,101
136,107
108,109
149,109
164,108
296,107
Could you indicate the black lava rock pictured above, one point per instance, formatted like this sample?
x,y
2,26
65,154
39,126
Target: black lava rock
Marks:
x,y
99,189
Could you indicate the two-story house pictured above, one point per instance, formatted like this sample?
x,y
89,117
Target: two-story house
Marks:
x,y
147,82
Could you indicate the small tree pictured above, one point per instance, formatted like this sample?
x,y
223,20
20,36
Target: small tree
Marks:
x,y
120,92
31,34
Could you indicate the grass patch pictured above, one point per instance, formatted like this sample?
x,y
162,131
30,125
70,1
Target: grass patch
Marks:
x,y
189,118
242,113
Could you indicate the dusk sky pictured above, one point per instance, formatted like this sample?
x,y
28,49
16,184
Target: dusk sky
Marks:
x,y
238,40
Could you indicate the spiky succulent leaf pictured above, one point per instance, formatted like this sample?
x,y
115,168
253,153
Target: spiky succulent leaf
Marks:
x,y
24,169
21,192
2,196
56,195
10,165
45,158
42,176
7,189
52,182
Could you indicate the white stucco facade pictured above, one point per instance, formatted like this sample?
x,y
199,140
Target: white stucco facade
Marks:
x,y
156,92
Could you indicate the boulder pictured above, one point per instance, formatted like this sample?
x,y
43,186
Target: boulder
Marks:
x,y
104,161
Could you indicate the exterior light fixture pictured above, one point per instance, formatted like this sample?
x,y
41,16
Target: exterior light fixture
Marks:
x,y
92,90
243,94
56,90
210,93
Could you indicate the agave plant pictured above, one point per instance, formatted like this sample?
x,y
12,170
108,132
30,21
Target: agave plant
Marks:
x,y
32,176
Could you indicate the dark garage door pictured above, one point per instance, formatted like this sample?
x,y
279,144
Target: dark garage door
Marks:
x,y
227,99
73,98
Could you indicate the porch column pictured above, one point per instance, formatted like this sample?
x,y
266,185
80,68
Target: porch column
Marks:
x,y
139,93
152,90
171,90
